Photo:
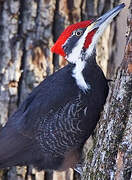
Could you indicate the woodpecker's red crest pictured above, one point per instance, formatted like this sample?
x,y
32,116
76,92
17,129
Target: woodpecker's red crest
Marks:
x,y
78,41
58,46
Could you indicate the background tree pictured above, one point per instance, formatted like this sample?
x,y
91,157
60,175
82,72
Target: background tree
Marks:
x,y
28,29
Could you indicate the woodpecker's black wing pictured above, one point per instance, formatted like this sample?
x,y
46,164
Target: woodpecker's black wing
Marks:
x,y
61,133
17,140
54,121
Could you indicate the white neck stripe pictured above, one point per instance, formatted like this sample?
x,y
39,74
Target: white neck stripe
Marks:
x,y
77,74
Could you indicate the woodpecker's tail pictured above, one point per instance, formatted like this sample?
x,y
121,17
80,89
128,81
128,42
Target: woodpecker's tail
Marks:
x,y
15,149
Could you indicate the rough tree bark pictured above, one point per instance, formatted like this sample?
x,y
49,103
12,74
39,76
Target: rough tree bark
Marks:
x,y
111,155
28,29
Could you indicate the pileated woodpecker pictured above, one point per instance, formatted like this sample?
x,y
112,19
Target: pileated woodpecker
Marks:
x,y
50,127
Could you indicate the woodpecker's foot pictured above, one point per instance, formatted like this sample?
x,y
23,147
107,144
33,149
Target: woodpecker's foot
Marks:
x,y
78,168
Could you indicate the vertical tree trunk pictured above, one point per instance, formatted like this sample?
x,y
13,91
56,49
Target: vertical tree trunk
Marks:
x,y
111,155
28,29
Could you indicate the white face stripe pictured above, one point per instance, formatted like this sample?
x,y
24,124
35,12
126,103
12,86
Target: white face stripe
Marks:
x,y
98,34
76,51
75,55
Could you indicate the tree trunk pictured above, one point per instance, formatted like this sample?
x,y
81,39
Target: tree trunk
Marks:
x,y
111,154
28,29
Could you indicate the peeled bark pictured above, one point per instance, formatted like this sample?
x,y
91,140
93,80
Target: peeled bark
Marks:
x,y
28,29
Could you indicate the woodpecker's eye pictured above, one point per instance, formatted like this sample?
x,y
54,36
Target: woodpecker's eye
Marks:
x,y
78,32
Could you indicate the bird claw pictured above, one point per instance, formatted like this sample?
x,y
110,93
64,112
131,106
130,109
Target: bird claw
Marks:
x,y
78,168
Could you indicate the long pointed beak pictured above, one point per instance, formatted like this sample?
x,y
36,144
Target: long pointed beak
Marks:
x,y
108,16
104,19
100,25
